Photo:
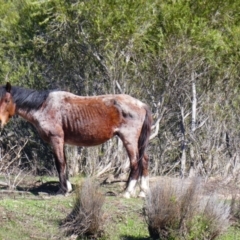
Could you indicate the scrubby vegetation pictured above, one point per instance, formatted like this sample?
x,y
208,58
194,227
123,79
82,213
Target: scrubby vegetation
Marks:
x,y
86,218
181,210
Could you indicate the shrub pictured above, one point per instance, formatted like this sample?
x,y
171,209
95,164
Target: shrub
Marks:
x,y
85,220
179,210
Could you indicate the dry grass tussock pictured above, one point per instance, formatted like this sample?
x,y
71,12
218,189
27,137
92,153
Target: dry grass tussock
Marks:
x,y
235,211
86,218
180,210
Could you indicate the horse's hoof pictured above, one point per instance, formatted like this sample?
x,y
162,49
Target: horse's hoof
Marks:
x,y
60,192
127,195
142,195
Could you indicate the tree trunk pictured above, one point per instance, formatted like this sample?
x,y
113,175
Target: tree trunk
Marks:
x,y
73,159
183,145
193,126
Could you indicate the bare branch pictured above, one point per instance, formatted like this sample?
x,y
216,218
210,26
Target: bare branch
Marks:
x,y
156,125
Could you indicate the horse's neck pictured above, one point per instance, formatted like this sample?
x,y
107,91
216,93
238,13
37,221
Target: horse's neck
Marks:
x,y
28,102
27,115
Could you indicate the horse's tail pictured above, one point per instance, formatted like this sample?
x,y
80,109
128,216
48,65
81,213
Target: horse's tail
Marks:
x,y
144,138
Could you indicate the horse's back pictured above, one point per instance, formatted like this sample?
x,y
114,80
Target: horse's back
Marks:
x,y
69,101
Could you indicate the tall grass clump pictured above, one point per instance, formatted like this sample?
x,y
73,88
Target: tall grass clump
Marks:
x,y
180,210
235,210
86,218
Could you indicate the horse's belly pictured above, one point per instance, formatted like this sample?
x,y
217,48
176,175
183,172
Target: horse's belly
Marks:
x,y
92,138
92,126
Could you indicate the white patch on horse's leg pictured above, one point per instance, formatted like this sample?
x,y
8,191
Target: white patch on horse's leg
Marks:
x,y
130,191
144,186
69,186
131,186
144,183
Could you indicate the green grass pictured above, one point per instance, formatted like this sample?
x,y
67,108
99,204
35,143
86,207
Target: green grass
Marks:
x,y
124,219
32,218
231,234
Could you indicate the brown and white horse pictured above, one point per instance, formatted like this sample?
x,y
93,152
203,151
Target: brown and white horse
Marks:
x,y
62,117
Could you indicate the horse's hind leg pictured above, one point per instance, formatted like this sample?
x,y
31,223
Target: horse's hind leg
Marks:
x,y
144,186
132,151
139,167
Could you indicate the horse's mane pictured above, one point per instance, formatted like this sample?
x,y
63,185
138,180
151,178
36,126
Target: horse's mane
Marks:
x,y
26,98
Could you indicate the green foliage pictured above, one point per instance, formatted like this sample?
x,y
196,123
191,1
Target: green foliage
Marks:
x,y
36,34
198,227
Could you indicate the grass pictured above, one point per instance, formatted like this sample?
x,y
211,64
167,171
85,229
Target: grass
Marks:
x,y
38,217
124,219
231,234
32,218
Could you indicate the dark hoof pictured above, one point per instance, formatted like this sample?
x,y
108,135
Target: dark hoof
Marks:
x,y
61,192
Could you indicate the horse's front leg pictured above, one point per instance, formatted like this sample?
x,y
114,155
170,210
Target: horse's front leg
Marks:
x,y
61,164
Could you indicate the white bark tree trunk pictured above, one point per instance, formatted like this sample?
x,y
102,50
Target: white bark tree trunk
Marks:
x,y
192,172
194,102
